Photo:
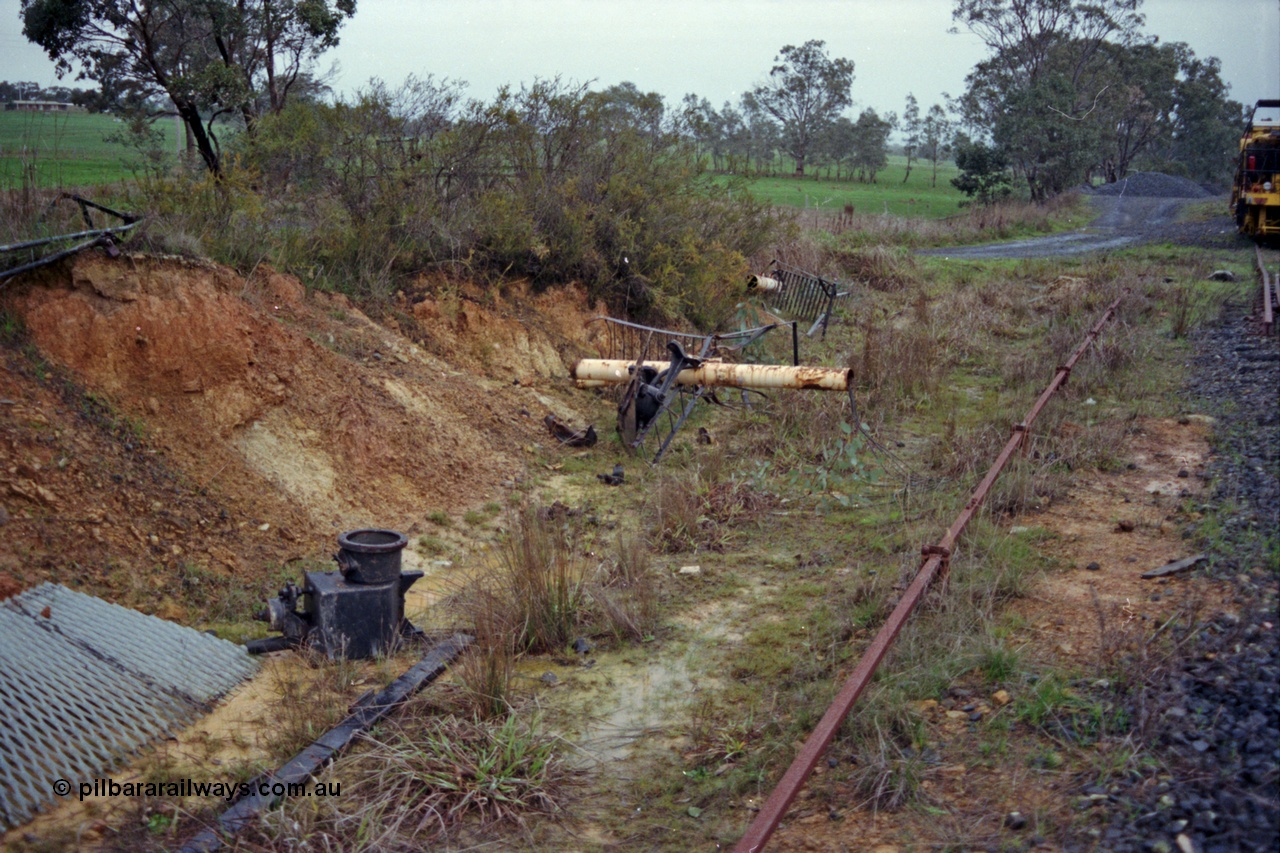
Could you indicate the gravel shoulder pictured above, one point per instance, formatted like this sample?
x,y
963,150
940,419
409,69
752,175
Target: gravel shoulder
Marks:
x,y
1216,728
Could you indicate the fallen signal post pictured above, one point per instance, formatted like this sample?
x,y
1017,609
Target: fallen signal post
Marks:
x,y
653,385
936,563
597,372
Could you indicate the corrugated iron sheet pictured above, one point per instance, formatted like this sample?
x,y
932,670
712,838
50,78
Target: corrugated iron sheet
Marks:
x,y
84,683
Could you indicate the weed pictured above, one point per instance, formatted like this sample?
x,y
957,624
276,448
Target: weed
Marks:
x,y
998,663
474,518
12,329
440,518
432,546
537,581
626,591
696,508
485,671
422,776
309,699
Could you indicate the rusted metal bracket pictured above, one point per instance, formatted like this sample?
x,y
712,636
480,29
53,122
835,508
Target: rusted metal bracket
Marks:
x,y
936,560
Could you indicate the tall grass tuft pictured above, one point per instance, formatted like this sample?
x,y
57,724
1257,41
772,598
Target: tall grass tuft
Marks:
x,y
421,776
898,362
626,592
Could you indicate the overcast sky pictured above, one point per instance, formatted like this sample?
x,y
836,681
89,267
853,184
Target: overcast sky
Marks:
x,y
713,48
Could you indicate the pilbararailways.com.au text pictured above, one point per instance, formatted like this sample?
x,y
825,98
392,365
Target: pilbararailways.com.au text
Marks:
x,y
189,788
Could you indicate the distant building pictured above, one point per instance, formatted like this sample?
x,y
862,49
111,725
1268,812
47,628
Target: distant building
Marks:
x,y
42,107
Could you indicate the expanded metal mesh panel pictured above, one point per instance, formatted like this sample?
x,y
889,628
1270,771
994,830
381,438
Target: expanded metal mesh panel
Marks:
x,y
84,683
802,295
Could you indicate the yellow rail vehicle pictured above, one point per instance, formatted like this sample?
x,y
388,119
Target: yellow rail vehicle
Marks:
x,y
1255,194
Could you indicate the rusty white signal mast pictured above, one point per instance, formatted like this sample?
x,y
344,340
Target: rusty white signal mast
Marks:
x,y
652,386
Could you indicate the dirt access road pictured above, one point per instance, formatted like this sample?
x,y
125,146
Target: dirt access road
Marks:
x,y
1120,221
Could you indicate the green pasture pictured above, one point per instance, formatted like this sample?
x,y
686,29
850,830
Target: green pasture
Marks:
x,y
62,150
820,190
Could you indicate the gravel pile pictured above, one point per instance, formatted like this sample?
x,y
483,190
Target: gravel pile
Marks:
x,y
1218,736
1153,185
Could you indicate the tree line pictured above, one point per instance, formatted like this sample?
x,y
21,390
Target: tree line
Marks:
x,y
22,90
1071,91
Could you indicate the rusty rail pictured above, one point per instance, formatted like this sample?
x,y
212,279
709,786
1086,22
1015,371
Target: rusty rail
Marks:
x,y
936,562
1270,292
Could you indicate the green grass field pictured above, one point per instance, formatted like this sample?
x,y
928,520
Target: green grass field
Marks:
x,y
889,194
63,150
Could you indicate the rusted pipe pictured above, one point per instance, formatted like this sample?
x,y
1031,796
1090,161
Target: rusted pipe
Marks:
x,y
594,372
936,559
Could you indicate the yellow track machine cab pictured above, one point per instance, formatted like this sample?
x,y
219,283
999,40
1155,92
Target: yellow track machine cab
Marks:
x,y
1255,194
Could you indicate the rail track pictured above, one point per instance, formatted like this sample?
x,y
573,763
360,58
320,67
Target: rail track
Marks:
x,y
1269,295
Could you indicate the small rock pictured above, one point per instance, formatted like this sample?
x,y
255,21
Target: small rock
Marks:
x,y
1125,525
1001,698
1200,745
264,527
1184,473
975,716
1015,820
1093,567
582,645
550,679
690,570
1185,844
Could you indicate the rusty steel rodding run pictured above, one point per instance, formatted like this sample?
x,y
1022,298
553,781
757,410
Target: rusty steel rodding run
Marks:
x,y
936,561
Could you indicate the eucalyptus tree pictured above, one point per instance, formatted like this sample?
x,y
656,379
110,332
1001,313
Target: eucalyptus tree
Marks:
x,y
208,58
1044,79
805,92
911,127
